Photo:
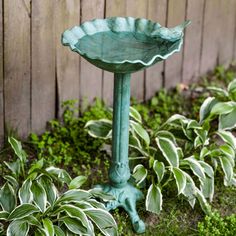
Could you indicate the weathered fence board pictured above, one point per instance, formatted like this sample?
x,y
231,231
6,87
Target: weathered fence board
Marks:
x,y
193,35
228,22
154,75
1,78
37,73
17,65
91,76
210,39
67,14
173,66
43,64
138,9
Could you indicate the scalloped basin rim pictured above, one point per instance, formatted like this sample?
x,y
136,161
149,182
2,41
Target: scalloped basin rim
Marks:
x,y
117,42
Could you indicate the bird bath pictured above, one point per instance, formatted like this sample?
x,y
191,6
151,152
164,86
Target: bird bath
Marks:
x,y
123,45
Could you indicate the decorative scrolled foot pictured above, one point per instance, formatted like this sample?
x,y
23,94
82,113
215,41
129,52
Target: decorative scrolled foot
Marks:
x,y
125,197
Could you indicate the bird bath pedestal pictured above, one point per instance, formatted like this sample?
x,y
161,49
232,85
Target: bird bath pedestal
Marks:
x,y
123,46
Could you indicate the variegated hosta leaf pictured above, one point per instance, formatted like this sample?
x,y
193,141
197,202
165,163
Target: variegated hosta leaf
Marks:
x,y
176,120
207,168
139,173
39,195
99,128
207,187
17,147
228,137
4,215
169,150
98,193
190,190
180,179
48,227
219,91
77,182
228,151
74,195
76,212
58,231
140,131
159,169
227,168
59,174
222,108
12,181
196,167
203,202
25,193
204,152
228,121
22,211
166,134
7,197
154,199
50,189
135,115
18,228
232,87
103,220
74,225
206,107
37,166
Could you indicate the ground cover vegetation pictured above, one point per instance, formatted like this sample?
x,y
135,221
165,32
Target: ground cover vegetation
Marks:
x,y
182,155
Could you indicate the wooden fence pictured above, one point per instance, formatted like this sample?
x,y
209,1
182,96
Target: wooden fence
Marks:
x,y
37,73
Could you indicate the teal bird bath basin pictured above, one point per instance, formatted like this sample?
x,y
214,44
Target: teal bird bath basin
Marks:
x,y
123,45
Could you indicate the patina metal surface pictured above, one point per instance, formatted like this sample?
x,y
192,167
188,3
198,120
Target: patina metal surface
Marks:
x,y
123,45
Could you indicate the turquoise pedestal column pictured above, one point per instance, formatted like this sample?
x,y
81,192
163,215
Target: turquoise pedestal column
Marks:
x,y
125,194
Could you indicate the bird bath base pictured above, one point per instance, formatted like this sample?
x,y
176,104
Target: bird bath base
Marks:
x,y
126,198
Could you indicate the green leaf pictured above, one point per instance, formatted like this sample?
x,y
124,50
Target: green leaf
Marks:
x,y
203,202
219,91
12,181
48,227
206,107
168,150
58,231
25,193
76,212
4,215
140,131
7,197
222,108
77,182
207,188
159,169
59,174
228,121
74,195
139,173
18,228
50,189
135,115
39,195
37,165
74,225
16,146
103,220
227,167
99,128
180,179
196,167
154,199
98,193
22,211
227,137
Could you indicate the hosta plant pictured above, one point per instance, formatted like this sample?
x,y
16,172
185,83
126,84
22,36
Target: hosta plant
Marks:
x,y
31,203
183,151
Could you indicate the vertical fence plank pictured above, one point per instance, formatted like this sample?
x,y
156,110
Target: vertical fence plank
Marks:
x,y
113,8
227,25
154,74
90,76
1,78
192,41
67,63
210,39
137,9
17,65
43,64
173,65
